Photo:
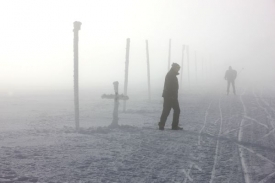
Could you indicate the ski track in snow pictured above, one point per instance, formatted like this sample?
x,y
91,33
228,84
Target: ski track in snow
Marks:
x,y
217,145
240,137
225,139
204,123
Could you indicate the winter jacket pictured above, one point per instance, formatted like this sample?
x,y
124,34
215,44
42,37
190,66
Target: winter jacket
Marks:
x,y
171,85
230,75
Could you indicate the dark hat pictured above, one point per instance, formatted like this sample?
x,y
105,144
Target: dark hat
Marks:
x,y
175,65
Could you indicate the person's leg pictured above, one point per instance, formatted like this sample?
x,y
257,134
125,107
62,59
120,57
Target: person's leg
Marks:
x,y
165,111
176,115
233,86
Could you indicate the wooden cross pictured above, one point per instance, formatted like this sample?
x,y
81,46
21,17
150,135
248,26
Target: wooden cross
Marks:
x,y
116,98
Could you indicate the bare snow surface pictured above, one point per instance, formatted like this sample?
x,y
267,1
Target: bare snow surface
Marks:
x,y
225,139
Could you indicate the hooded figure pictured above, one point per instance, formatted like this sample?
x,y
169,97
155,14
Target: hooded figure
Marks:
x,y
170,95
230,76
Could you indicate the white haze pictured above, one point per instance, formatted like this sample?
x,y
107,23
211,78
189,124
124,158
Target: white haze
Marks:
x,y
37,42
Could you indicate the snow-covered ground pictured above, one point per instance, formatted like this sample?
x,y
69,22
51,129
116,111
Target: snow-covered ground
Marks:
x,y
225,139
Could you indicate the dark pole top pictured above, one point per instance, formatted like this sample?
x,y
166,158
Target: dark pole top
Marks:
x,y
77,25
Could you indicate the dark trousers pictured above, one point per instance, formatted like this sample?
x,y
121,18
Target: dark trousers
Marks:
x,y
168,104
230,82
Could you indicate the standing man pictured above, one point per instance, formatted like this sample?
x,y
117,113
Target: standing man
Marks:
x,y
230,76
170,95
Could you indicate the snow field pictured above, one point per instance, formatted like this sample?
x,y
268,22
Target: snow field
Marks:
x,y
225,139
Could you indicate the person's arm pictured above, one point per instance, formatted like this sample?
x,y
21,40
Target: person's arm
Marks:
x,y
225,76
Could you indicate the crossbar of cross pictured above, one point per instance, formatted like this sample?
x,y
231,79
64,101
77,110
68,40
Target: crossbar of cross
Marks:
x,y
115,96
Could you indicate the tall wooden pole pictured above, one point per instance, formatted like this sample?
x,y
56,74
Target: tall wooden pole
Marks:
x,y
196,67
206,68
182,59
169,55
148,70
202,68
77,26
210,67
126,71
188,65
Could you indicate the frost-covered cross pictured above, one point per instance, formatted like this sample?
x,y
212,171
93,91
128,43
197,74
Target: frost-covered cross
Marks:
x,y
116,98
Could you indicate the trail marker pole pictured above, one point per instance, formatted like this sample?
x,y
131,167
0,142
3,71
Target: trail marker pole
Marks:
x,y
188,65
77,26
148,70
202,68
196,67
169,55
126,71
182,59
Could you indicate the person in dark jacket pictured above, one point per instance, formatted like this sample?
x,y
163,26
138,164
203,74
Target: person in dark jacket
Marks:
x,y
230,76
170,95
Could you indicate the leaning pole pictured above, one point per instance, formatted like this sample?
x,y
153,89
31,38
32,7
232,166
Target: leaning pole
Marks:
x,y
126,71
77,26
148,70
182,59
169,54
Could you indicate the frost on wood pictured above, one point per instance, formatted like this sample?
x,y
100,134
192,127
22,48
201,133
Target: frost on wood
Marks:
x,y
126,70
77,26
116,98
148,70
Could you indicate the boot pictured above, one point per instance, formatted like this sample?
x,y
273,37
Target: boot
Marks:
x,y
161,126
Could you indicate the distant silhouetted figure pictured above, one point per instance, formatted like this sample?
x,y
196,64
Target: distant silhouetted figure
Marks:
x,y
230,76
170,95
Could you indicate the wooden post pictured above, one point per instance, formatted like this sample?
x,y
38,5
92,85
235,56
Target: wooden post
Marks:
x,y
207,69
196,67
169,55
202,69
126,71
210,67
148,70
187,54
182,59
77,26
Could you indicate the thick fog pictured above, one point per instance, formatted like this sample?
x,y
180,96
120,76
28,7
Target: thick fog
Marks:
x,y
37,42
